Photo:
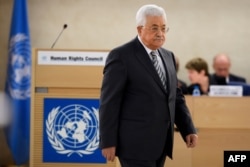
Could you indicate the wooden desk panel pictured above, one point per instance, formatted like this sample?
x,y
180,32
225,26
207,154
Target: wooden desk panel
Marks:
x,y
190,103
223,124
221,112
213,142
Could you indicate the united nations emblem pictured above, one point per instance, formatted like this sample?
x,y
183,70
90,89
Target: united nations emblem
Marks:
x,y
19,71
73,129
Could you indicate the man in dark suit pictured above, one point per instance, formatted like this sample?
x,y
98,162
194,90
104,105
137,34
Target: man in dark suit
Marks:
x,y
139,103
222,75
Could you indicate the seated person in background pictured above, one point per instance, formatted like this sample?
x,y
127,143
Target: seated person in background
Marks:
x,y
181,84
222,75
198,75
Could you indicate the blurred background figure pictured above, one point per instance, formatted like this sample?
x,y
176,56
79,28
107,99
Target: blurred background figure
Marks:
x,y
5,110
181,84
198,75
222,75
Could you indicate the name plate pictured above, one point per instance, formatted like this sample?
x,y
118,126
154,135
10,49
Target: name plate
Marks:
x,y
235,91
82,58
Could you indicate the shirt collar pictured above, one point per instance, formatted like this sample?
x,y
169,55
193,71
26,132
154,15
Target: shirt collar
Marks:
x,y
146,48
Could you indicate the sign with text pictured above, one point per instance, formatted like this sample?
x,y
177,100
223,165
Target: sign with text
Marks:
x,y
234,91
84,58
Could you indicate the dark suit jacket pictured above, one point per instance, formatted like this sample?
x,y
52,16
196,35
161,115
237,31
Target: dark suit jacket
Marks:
x,y
137,115
215,80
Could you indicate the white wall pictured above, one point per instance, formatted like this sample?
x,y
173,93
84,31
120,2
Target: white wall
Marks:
x,y
197,27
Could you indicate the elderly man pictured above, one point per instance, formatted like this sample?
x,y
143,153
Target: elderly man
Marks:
x,y
140,100
222,75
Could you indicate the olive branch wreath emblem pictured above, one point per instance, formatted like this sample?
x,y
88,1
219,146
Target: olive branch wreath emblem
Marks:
x,y
55,143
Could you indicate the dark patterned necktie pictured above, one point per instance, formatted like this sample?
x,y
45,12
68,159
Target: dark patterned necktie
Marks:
x,y
158,68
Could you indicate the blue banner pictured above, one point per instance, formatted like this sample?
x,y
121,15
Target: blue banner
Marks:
x,y
18,83
71,131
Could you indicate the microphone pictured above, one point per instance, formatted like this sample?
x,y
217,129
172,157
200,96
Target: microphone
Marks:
x,y
64,27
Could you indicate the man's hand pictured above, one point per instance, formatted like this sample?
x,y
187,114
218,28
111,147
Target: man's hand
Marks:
x,y
109,153
191,140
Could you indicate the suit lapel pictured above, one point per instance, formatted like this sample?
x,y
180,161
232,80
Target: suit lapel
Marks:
x,y
144,59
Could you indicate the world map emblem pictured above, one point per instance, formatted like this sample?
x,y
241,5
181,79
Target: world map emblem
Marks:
x,y
73,129
19,67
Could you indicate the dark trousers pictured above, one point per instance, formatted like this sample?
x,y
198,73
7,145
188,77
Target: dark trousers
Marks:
x,y
142,163
145,163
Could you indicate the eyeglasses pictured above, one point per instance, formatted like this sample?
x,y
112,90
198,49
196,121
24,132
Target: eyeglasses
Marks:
x,y
155,29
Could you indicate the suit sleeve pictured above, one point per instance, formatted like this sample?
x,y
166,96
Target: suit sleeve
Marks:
x,y
113,85
183,118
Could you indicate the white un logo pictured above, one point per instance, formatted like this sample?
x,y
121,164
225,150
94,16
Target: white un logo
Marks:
x,y
73,129
19,71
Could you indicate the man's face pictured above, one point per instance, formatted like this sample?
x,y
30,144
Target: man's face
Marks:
x,y
221,69
153,33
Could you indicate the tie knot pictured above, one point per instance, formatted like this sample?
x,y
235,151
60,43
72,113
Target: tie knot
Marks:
x,y
154,55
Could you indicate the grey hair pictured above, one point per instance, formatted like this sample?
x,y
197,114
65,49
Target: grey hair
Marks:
x,y
149,10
